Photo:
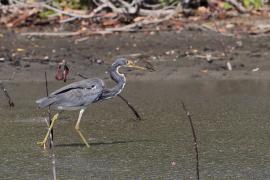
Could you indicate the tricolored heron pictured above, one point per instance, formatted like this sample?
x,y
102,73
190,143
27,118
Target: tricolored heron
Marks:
x,y
78,95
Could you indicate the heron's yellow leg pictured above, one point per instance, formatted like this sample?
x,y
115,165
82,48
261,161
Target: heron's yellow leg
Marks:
x,y
43,143
77,127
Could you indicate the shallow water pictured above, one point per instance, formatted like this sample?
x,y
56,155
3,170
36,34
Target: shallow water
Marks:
x,y
231,119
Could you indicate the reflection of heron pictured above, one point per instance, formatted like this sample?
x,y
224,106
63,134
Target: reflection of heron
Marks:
x,y
78,95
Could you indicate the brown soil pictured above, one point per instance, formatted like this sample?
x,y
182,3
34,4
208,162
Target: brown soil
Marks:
x,y
175,55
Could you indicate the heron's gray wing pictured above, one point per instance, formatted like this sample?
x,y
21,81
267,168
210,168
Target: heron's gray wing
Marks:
x,y
87,83
77,94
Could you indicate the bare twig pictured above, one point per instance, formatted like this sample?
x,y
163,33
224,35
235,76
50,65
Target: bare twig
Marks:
x,y
130,8
10,102
156,13
68,20
238,6
22,18
49,112
152,6
153,17
149,65
132,27
60,34
130,106
82,76
194,139
112,6
53,159
53,165
44,5
128,28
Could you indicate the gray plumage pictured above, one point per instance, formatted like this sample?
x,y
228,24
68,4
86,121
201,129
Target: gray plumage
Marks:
x,y
80,94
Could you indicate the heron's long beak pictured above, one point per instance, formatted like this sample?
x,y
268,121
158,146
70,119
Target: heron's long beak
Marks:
x,y
131,64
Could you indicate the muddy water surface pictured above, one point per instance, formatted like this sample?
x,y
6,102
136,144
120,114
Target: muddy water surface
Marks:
x,y
231,119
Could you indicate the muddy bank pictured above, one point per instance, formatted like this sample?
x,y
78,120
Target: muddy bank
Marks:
x,y
176,55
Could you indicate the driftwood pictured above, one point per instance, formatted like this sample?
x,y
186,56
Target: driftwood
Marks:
x,y
237,5
123,7
134,27
60,34
147,13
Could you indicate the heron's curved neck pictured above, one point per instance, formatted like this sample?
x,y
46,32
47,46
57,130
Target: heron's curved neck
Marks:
x,y
116,76
119,79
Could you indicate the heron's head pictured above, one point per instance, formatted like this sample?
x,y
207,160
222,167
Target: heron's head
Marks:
x,y
127,63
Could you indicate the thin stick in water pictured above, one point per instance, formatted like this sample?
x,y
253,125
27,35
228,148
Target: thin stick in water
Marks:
x,y
194,139
10,102
82,76
49,112
130,106
51,134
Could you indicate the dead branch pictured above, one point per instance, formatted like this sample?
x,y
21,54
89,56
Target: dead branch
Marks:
x,y
60,34
153,17
126,8
44,5
155,13
131,107
152,6
130,8
238,6
128,28
132,27
119,7
49,113
51,145
10,102
22,18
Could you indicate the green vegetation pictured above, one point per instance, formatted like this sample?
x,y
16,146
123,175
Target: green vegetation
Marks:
x,y
72,4
253,3
168,2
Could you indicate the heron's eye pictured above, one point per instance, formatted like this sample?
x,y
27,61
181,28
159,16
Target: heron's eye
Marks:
x,y
128,62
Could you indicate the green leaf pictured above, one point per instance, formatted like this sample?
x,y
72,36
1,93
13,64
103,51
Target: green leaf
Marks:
x,y
253,3
246,3
227,6
46,14
257,4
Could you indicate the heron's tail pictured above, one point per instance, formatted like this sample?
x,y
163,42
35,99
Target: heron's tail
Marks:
x,y
44,102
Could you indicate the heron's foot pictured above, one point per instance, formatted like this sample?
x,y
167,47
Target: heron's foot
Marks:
x,y
42,143
84,140
82,137
87,145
